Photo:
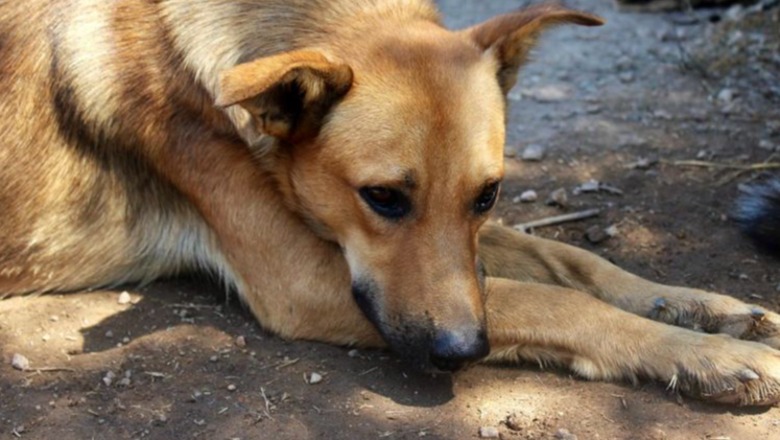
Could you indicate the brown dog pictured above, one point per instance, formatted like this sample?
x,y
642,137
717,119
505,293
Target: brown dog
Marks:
x,y
341,184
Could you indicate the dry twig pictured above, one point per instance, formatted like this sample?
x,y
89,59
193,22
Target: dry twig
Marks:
x,y
735,169
558,219
761,166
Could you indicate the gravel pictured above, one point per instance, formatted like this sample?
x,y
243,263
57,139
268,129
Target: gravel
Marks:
x,y
314,378
533,153
529,196
124,298
488,432
20,362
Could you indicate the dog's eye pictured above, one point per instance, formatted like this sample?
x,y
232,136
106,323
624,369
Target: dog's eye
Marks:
x,y
487,199
387,202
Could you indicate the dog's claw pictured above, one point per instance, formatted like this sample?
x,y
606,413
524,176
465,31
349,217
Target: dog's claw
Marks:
x,y
659,304
757,314
747,375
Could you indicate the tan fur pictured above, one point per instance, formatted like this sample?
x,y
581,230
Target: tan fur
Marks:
x,y
142,139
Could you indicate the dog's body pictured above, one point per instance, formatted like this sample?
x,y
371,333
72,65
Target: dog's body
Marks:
x,y
340,184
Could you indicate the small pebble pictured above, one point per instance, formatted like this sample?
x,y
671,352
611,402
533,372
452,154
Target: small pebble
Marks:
x,y
586,187
626,77
549,93
315,378
533,153
658,434
559,197
124,298
513,422
20,362
662,114
214,358
766,144
595,234
612,231
488,432
564,434
529,196
241,342
353,353
231,387
725,96
109,334
108,379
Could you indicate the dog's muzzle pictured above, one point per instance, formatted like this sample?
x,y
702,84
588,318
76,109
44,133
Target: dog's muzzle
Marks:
x,y
419,342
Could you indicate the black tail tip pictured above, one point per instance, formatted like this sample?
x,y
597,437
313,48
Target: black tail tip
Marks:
x,y
758,213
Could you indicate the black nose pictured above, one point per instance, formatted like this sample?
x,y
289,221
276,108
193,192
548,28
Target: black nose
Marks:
x,y
453,348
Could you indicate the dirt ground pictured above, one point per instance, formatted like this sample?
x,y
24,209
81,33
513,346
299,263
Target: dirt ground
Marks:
x,y
619,104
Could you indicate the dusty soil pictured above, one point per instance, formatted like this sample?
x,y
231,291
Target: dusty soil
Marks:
x,y
179,361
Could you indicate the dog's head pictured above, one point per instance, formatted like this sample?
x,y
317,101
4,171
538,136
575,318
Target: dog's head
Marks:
x,y
391,145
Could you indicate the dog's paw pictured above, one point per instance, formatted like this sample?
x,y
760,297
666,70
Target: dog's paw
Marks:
x,y
713,313
721,369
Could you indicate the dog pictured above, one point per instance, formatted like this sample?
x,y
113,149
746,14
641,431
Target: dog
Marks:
x,y
335,162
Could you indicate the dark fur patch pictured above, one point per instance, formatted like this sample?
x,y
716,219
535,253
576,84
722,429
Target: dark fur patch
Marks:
x,y
117,153
410,339
758,213
366,292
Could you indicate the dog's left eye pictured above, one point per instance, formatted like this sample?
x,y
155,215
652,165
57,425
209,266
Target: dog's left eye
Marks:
x,y
387,202
487,199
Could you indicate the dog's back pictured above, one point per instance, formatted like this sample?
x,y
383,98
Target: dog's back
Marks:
x,y
758,213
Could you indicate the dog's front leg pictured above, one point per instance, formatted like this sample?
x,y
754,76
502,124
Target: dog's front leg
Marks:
x,y
510,254
296,284
550,324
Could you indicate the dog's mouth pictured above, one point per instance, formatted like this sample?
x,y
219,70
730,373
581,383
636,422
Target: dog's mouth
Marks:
x,y
417,341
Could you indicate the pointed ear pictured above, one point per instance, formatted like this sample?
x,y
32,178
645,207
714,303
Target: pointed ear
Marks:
x,y
510,37
287,95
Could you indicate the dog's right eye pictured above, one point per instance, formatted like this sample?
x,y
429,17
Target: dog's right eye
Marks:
x,y
387,202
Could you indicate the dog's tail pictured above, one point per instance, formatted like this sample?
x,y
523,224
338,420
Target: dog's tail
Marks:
x,y
758,213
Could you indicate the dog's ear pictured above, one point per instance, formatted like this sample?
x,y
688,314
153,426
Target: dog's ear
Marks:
x,y
288,95
510,37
